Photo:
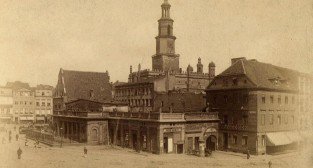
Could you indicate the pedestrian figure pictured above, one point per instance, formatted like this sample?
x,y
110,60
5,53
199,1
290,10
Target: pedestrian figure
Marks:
x,y
248,154
85,151
16,137
270,164
19,153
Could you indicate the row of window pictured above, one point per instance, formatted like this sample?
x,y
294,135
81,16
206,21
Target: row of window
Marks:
x,y
272,98
280,119
235,98
23,102
43,104
133,92
244,140
140,102
31,103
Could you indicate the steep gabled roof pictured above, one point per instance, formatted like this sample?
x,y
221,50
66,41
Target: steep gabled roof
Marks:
x,y
84,85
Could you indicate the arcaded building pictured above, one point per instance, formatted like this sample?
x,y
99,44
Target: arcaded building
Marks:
x,y
257,105
167,109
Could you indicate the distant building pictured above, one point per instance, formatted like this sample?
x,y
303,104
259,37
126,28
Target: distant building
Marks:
x,y
73,85
257,105
6,105
29,104
44,103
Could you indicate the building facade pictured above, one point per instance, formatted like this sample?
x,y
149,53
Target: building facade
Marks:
x,y
44,103
29,104
6,105
258,107
82,121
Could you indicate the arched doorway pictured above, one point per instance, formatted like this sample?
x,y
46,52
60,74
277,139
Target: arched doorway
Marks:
x,y
211,143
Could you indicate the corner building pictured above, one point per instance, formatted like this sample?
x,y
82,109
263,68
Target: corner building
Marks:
x,y
258,107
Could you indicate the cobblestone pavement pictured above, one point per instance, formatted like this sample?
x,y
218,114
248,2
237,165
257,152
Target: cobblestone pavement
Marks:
x,y
106,156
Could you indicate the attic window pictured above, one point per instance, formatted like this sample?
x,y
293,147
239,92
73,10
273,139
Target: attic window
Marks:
x,y
235,81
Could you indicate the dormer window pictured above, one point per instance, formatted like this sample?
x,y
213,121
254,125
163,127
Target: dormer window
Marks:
x,y
235,81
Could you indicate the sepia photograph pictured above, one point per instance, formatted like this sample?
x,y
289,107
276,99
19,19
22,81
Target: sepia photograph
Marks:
x,y
156,83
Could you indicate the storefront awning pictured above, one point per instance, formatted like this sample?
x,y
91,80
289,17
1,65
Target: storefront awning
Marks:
x,y
294,136
277,139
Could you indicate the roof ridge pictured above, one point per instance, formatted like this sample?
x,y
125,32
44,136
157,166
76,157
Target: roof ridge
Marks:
x,y
83,71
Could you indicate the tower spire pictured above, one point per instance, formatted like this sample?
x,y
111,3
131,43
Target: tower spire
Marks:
x,y
165,58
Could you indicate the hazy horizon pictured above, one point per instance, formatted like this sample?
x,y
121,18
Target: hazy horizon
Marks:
x,y
39,37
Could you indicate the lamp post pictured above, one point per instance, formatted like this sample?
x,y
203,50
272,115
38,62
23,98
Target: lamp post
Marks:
x,y
61,137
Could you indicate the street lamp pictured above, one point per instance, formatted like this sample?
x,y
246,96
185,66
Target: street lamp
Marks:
x,y
61,137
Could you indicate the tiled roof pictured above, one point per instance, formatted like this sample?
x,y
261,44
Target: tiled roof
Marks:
x,y
264,75
18,85
79,85
44,87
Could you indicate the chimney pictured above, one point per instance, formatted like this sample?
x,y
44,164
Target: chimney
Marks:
x,y
234,60
131,69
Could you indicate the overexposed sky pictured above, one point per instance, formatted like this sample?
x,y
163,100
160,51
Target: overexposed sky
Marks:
x,y
38,37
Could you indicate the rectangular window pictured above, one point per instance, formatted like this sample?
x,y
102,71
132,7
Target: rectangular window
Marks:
x,y
244,140
279,119
48,104
37,104
271,119
262,119
279,100
234,139
272,99
225,119
225,98
286,119
263,140
245,120
263,98
286,100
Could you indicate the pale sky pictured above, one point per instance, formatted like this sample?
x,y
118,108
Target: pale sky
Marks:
x,y
38,37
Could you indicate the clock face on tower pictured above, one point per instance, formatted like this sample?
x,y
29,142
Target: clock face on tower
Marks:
x,y
170,47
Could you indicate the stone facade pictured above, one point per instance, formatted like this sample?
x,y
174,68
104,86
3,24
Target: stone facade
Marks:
x,y
81,121
6,105
44,103
254,107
